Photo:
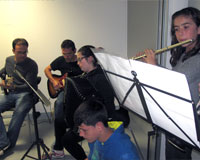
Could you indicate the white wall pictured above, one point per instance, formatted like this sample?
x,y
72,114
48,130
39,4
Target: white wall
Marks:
x,y
142,25
194,3
46,23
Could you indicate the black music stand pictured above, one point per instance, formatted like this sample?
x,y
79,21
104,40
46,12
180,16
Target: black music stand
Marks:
x,y
139,86
144,89
38,141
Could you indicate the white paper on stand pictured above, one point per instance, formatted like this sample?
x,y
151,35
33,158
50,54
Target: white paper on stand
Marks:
x,y
169,81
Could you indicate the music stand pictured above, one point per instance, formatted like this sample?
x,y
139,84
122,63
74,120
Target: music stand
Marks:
x,y
38,141
149,101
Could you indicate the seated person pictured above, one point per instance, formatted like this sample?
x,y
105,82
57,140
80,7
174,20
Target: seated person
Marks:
x,y
19,94
95,75
66,64
104,142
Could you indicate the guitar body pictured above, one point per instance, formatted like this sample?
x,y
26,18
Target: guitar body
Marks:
x,y
52,92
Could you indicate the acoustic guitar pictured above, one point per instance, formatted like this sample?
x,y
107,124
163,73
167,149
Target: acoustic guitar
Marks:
x,y
52,92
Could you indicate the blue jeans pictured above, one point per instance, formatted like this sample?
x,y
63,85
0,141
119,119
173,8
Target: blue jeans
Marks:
x,y
58,109
22,102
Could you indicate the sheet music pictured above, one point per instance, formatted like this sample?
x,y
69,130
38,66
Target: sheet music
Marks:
x,y
43,98
173,82
40,95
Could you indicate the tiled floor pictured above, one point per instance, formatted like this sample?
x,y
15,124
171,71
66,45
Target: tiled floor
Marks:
x,y
46,132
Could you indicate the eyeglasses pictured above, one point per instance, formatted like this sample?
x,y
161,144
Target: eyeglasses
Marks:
x,y
80,59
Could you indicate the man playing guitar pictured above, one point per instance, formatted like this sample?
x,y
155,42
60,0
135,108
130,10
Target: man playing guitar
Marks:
x,y
19,94
67,65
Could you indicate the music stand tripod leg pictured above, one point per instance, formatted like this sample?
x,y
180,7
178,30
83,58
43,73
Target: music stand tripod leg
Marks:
x,y
150,133
46,113
137,146
39,142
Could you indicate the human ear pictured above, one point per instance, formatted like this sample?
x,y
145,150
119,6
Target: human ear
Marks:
x,y
13,50
99,125
91,59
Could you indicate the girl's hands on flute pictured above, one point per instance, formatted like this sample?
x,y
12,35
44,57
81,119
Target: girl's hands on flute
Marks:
x,y
149,58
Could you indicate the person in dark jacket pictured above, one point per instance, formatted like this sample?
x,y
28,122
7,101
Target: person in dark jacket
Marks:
x,y
95,76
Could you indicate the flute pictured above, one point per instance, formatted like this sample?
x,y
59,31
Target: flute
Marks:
x,y
165,49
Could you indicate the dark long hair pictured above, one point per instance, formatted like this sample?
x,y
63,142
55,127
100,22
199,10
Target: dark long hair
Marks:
x,y
176,53
87,52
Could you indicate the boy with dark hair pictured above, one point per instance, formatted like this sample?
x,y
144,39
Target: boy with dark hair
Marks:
x,y
104,142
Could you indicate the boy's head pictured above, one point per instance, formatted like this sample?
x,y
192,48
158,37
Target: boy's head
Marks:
x,y
91,118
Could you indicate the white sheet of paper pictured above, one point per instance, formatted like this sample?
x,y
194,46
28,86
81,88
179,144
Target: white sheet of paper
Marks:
x,y
169,81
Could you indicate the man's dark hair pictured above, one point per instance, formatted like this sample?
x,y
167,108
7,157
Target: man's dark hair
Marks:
x,y
87,52
68,44
90,112
19,41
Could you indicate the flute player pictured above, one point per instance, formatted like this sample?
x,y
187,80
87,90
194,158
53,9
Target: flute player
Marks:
x,y
184,59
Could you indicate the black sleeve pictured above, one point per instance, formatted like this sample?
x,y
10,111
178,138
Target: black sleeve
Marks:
x,y
56,63
105,90
107,93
